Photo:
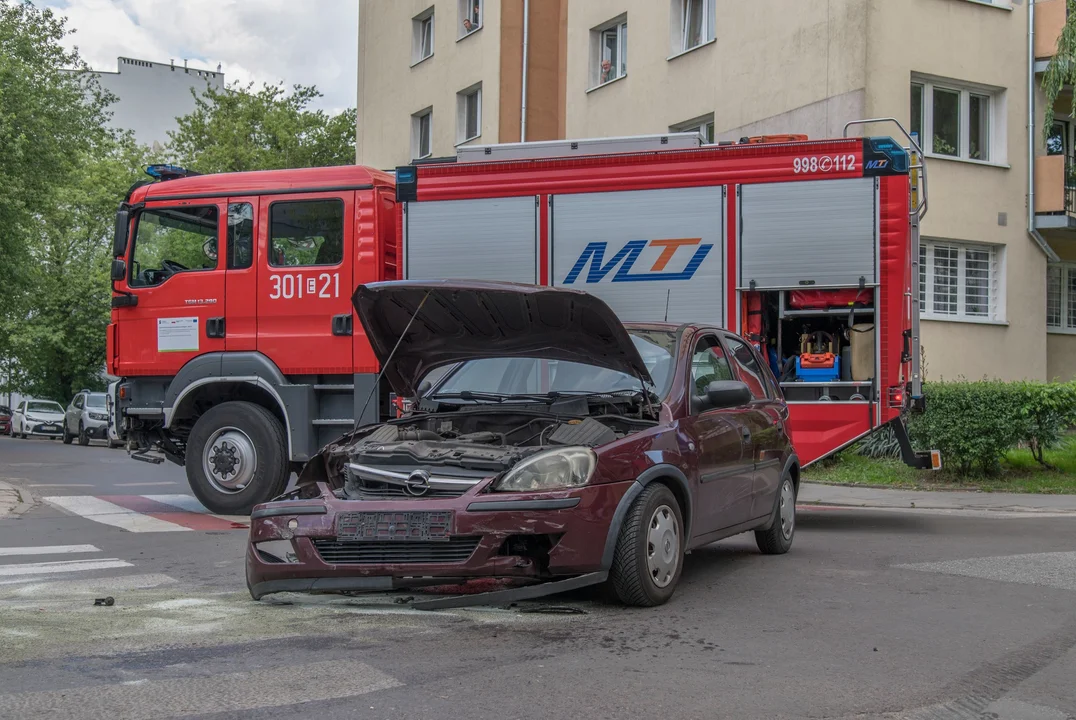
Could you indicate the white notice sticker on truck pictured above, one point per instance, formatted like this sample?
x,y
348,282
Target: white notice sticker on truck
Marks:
x,y
177,334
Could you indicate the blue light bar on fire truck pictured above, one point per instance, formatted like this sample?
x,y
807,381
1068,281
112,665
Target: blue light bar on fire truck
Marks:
x,y
168,172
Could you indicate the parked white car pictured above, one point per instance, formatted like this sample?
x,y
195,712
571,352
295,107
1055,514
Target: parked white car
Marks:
x,y
41,418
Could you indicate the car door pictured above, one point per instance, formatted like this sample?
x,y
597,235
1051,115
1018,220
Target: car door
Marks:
x,y
304,285
762,421
176,275
74,412
724,490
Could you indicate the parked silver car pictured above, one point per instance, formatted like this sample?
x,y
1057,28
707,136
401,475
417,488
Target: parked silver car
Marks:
x,y
42,418
86,419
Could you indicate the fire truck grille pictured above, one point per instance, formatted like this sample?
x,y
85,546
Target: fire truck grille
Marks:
x,y
395,552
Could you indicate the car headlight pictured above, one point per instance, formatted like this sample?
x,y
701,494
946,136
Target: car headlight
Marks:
x,y
276,551
550,470
98,416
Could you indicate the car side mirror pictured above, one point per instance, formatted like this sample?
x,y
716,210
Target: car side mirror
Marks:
x,y
119,269
119,241
727,394
423,388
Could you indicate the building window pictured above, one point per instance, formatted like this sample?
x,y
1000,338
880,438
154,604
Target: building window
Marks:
x,y
692,24
421,130
422,36
955,121
1059,140
470,16
469,113
1061,297
610,56
703,125
960,281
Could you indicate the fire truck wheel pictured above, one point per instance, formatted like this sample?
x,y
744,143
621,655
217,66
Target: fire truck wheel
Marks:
x,y
237,457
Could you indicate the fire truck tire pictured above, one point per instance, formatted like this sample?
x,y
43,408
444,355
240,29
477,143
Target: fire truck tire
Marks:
x,y
237,457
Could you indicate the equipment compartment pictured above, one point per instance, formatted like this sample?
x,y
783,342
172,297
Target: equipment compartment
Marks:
x,y
820,344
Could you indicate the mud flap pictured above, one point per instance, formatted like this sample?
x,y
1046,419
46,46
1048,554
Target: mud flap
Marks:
x,y
911,458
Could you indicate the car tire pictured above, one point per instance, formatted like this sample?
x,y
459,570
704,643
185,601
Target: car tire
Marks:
x,y
238,439
649,555
83,436
67,437
777,539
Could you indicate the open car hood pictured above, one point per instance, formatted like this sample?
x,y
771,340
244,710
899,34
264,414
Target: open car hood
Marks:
x,y
465,320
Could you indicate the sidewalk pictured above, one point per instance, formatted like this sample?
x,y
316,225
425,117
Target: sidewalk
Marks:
x,y
10,500
812,494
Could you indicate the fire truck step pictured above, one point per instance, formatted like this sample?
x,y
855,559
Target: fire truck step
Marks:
x,y
322,422
335,388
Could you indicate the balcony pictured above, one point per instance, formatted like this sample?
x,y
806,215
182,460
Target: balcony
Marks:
x,y
1050,16
1055,192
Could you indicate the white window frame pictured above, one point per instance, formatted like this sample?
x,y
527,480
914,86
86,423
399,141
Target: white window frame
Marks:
x,y
416,134
995,131
1066,324
418,25
619,66
461,114
466,12
678,25
704,125
996,282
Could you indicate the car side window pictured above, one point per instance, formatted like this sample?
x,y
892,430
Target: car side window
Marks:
x,y
307,232
78,401
748,367
708,364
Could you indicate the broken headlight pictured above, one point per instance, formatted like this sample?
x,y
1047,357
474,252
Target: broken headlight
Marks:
x,y
551,470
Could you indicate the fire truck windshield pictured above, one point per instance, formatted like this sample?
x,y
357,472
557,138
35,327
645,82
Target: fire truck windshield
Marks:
x,y
171,240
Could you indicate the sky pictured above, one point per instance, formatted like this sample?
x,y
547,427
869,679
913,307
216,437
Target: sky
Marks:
x,y
306,42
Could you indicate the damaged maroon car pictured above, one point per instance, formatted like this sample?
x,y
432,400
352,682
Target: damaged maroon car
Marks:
x,y
548,446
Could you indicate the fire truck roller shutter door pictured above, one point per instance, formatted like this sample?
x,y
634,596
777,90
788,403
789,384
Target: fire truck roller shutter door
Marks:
x,y
813,233
487,239
641,250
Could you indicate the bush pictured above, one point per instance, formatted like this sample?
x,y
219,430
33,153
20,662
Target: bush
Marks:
x,y
975,423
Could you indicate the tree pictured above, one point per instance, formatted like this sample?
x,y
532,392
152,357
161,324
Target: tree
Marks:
x,y
1061,70
240,128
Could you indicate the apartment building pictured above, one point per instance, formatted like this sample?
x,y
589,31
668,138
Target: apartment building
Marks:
x,y
998,287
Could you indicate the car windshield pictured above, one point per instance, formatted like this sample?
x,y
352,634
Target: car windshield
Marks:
x,y
521,376
95,400
43,406
5,410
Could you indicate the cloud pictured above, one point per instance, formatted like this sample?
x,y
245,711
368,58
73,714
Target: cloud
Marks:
x,y
308,43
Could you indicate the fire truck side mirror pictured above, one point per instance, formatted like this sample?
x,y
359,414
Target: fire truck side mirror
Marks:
x,y
119,269
119,243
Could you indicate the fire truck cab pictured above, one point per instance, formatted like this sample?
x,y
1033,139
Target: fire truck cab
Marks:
x,y
232,326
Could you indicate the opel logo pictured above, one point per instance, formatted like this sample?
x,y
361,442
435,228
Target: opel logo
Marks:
x,y
417,483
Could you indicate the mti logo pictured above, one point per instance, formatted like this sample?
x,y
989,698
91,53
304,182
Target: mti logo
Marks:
x,y
594,253
876,164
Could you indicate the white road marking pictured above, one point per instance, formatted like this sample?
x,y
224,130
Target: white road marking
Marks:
x,y
60,485
39,587
145,484
234,692
48,550
63,566
102,511
191,504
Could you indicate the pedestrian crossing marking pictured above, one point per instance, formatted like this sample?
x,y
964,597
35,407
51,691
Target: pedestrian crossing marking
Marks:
x,y
148,513
47,550
61,566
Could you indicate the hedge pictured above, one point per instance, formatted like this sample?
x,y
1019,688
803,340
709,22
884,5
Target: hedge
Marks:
x,y
975,423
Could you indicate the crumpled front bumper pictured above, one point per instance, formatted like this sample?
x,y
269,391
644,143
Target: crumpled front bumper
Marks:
x,y
523,536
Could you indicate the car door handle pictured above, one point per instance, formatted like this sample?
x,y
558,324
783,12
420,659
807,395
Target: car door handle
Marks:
x,y
342,324
214,327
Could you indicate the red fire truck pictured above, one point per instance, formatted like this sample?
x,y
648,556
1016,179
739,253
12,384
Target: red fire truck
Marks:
x,y
232,326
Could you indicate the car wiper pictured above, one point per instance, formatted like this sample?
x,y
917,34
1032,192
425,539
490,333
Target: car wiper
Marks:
x,y
468,395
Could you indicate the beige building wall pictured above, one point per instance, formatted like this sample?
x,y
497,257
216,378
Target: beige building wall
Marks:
x,y
391,89
768,69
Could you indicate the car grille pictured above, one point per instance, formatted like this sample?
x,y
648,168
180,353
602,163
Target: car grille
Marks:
x,y
383,552
367,486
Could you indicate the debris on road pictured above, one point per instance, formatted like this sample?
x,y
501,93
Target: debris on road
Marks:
x,y
106,601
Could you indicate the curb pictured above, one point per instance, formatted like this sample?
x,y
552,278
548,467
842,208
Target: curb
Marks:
x,y
1023,510
24,500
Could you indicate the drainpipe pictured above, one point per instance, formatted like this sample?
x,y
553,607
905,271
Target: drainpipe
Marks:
x,y
523,99
1051,256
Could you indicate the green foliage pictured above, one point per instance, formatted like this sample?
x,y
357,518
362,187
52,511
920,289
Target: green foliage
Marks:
x,y
882,443
240,128
975,424
1061,71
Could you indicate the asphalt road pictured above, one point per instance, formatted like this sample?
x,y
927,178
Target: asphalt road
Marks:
x,y
871,615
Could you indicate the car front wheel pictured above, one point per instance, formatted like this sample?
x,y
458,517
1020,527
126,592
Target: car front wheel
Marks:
x,y
778,538
649,550
67,437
